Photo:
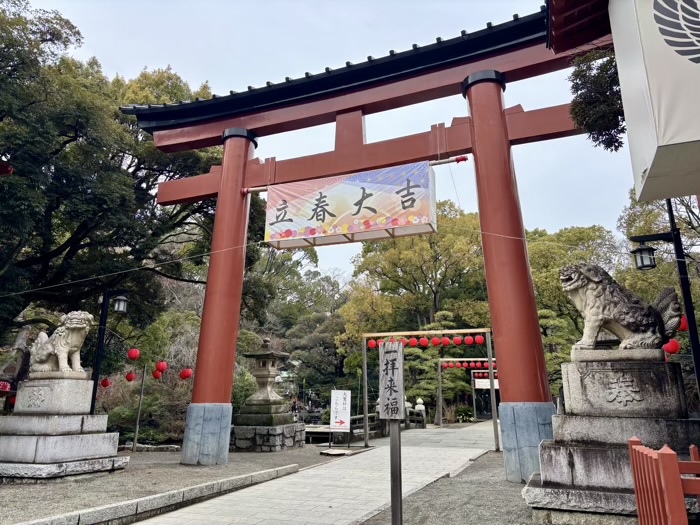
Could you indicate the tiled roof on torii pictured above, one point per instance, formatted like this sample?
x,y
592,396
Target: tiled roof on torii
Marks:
x,y
519,32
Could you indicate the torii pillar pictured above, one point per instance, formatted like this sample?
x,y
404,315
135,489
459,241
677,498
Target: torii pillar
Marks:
x,y
208,427
526,403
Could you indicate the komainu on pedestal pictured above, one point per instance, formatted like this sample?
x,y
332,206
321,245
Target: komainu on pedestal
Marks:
x,y
51,433
610,395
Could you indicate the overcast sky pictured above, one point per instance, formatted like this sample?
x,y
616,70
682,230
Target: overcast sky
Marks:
x,y
236,43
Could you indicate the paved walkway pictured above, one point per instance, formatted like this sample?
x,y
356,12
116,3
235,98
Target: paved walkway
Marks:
x,y
342,492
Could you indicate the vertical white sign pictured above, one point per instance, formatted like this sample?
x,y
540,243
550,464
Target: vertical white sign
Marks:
x,y
340,410
391,396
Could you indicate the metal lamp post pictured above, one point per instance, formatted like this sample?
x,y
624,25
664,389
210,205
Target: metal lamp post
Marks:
x,y
645,260
120,303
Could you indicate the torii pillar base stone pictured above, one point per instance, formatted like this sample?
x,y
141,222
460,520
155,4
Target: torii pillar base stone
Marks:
x,y
526,407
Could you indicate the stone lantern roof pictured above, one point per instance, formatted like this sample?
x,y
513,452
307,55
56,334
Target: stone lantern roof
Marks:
x,y
265,352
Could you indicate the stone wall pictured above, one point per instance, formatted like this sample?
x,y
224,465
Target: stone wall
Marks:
x,y
267,439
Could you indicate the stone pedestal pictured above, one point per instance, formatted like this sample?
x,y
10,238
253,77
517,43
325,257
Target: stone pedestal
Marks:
x,y
586,466
51,433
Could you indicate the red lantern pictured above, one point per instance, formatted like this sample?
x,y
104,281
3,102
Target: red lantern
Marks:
x,y
372,343
457,340
424,341
446,341
186,373
478,364
458,365
413,341
480,375
105,383
684,324
134,354
392,340
469,340
161,366
445,365
672,347
435,341
130,377
472,365
495,376
486,364
495,365
157,374
404,342
12,400
479,339
452,365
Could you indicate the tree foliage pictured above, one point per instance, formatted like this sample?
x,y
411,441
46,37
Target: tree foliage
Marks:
x,y
79,215
597,104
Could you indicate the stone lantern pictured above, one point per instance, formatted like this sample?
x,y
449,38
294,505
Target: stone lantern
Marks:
x,y
265,401
265,422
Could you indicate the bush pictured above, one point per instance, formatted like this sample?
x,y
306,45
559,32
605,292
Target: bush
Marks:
x,y
464,413
163,413
326,417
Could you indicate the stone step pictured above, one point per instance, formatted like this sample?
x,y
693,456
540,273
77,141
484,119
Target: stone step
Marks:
x,y
586,467
52,425
32,472
56,449
679,434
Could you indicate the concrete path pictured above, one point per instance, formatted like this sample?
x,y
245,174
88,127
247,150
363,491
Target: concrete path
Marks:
x,y
341,492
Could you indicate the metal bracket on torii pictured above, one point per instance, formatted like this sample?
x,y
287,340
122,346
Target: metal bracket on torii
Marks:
x,y
352,154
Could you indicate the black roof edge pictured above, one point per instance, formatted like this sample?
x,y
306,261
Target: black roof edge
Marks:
x,y
519,32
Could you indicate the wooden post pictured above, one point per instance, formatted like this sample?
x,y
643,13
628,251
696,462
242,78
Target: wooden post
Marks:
x,y
396,490
672,488
494,408
439,407
365,401
138,415
393,408
471,373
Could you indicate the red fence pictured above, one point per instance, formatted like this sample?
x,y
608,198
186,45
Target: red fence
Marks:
x,y
659,485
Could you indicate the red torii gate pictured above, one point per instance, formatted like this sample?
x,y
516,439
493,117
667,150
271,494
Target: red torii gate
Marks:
x,y
488,133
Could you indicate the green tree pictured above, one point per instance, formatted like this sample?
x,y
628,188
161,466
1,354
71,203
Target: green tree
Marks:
x,y
79,214
423,273
597,104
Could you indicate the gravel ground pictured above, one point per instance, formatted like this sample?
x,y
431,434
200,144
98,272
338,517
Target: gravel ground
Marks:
x,y
478,496
148,473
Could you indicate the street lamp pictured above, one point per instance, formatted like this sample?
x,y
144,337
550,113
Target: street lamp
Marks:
x,y
120,302
644,257
645,254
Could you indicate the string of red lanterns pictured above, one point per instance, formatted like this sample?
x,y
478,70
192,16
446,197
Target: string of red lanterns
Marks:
x,y
435,341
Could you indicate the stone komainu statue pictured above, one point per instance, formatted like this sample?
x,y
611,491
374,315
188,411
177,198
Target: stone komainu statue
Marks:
x,y
51,354
604,303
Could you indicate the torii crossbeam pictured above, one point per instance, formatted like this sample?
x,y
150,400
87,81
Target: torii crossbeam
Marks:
x,y
509,52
